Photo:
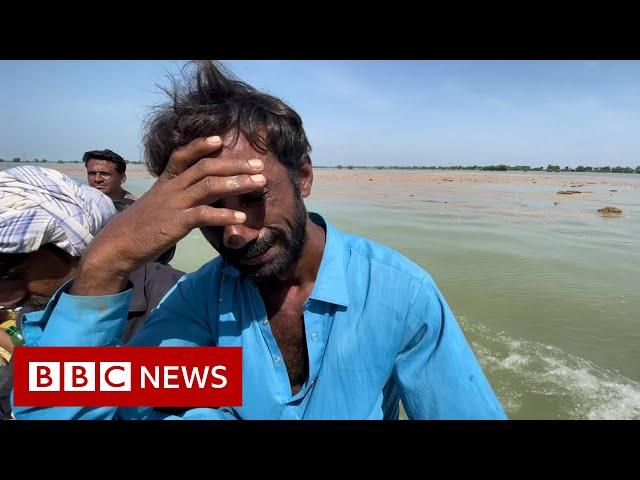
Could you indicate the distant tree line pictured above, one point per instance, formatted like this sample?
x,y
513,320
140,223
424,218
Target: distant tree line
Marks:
x,y
44,160
499,168
491,168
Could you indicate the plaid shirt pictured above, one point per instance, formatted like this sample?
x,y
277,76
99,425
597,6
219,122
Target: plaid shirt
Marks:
x,y
39,205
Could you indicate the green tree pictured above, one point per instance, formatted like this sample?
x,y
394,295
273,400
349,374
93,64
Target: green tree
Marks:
x,y
16,160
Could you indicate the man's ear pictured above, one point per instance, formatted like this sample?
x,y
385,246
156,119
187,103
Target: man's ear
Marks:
x,y
305,176
124,177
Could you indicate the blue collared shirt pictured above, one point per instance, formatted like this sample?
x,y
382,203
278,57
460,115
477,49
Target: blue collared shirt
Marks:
x,y
377,328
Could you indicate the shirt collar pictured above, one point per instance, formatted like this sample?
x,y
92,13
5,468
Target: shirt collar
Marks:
x,y
331,282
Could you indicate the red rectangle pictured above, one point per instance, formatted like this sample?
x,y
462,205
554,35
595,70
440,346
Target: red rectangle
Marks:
x,y
128,376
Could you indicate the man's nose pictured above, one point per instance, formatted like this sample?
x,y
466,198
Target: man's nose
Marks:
x,y
237,236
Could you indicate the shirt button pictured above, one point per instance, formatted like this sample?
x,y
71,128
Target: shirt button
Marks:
x,y
276,360
265,322
314,336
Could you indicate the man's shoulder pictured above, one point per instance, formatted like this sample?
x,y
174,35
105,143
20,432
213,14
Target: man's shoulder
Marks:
x,y
161,272
382,278
384,258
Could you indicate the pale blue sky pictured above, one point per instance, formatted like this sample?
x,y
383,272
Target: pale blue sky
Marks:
x,y
355,112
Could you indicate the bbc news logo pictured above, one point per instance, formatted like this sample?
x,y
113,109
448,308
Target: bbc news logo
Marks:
x,y
116,376
128,376
79,376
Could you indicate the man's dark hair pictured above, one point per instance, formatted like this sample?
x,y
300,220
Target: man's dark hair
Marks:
x,y
121,165
209,100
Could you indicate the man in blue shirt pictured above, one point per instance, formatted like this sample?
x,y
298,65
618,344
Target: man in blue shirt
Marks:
x,y
332,326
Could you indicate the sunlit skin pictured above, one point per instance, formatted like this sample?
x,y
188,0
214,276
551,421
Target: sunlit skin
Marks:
x,y
102,174
271,207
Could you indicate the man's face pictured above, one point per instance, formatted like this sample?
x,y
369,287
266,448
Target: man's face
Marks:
x,y
102,174
272,238
37,273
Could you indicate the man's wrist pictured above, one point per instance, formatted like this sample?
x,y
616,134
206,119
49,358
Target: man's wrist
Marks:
x,y
100,278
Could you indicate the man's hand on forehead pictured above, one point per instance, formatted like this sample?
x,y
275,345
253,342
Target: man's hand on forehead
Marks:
x,y
177,203
184,157
190,154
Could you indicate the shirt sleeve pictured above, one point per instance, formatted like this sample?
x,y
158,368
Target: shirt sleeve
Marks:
x,y
436,371
180,319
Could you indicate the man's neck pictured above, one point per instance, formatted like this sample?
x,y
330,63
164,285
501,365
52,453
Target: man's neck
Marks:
x,y
119,193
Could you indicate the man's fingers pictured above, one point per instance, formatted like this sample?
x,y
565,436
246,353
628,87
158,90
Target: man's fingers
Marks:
x,y
183,157
218,167
206,216
211,189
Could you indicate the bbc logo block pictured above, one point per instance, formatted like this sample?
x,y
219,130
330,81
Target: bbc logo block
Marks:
x,y
79,376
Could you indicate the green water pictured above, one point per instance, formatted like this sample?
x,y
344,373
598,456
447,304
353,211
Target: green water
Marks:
x,y
548,295
553,313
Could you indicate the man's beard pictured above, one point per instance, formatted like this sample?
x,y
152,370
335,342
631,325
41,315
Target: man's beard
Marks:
x,y
292,242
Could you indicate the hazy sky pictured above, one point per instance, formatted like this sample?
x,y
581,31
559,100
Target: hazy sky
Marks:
x,y
355,112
